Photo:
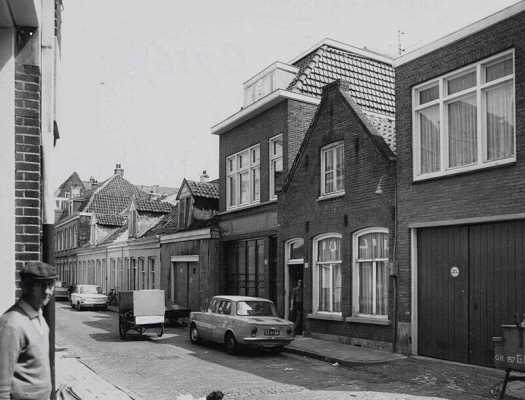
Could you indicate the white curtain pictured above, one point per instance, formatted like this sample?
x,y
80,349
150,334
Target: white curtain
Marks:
x,y
500,122
462,131
429,137
366,305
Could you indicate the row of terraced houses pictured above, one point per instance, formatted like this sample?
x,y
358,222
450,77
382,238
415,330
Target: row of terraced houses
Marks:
x,y
391,187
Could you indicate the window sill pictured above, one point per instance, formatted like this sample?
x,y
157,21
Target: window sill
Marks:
x,y
331,196
247,207
461,170
326,316
368,320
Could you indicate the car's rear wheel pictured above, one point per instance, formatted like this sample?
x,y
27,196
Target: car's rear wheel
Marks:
x,y
230,343
195,336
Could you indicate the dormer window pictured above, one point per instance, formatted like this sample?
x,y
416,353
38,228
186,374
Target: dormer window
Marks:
x,y
276,76
185,205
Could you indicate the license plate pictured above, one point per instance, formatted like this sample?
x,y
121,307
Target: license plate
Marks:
x,y
272,332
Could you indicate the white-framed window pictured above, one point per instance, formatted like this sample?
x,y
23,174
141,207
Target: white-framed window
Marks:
x,y
151,273
275,145
465,120
243,180
370,273
332,169
327,279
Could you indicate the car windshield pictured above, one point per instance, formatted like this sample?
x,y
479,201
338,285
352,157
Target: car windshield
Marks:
x,y
256,308
90,289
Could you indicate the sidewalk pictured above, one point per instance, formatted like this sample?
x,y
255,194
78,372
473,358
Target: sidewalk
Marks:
x,y
86,384
343,354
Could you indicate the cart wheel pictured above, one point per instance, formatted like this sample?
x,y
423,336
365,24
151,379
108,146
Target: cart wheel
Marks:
x,y
122,328
160,331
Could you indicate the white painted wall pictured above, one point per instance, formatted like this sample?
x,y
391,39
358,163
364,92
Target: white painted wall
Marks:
x,y
7,168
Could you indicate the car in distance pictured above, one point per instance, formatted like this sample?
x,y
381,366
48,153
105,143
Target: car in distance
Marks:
x,y
88,296
61,292
239,321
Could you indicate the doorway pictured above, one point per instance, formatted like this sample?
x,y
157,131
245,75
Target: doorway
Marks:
x,y
185,285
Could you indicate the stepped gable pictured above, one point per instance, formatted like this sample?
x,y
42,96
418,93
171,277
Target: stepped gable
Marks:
x,y
371,82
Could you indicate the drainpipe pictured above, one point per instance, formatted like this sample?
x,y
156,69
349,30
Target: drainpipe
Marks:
x,y
394,276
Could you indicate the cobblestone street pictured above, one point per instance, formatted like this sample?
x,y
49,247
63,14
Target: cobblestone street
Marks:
x,y
170,368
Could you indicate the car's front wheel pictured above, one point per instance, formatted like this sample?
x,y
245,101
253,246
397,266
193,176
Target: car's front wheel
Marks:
x,y
195,336
230,343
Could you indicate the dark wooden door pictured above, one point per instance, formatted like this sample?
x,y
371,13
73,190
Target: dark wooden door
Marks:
x,y
442,297
458,316
193,286
187,285
497,279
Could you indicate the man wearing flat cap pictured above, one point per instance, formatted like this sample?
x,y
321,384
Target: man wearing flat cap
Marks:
x,y
25,372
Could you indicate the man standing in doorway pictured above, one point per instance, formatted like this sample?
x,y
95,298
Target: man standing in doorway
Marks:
x,y
296,308
25,371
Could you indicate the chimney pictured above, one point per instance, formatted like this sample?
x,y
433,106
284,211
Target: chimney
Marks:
x,y
204,176
92,182
119,170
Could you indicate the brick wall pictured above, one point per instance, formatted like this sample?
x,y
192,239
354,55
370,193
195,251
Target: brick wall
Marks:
x,y
480,193
300,116
257,130
28,164
299,207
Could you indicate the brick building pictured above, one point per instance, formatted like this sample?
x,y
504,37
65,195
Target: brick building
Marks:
x,y
29,53
336,219
94,238
460,120
258,144
189,243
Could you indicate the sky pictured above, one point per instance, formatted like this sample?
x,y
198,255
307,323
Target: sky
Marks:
x,y
141,82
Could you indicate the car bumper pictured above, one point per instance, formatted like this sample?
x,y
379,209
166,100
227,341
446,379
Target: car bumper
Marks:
x,y
266,341
94,305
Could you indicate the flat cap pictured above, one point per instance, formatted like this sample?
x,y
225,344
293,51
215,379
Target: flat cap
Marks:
x,y
39,270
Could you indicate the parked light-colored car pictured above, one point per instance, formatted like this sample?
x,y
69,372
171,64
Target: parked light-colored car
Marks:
x,y
241,321
61,291
88,296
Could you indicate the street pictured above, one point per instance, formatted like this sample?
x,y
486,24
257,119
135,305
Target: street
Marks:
x,y
170,367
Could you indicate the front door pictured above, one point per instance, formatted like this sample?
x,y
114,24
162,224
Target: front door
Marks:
x,y
186,285
295,315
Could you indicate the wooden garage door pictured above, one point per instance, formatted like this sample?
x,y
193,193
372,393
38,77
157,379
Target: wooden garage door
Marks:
x,y
470,281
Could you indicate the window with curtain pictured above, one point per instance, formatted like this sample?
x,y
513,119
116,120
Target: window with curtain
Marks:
x,y
243,178
276,164
327,272
332,175
465,120
370,272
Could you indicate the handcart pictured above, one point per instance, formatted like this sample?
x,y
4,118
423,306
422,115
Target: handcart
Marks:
x,y
140,310
509,352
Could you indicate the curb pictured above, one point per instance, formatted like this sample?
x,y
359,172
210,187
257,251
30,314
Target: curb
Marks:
x,y
332,360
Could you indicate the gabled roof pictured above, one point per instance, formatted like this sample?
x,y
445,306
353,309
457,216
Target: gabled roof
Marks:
x,y
381,128
110,219
72,180
201,189
371,82
370,78
113,196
